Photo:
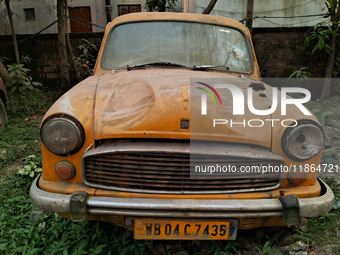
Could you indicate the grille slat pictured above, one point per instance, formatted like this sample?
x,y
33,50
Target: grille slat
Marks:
x,y
134,167
160,173
123,182
167,179
167,172
147,163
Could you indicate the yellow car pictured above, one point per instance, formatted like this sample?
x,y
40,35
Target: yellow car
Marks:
x,y
160,139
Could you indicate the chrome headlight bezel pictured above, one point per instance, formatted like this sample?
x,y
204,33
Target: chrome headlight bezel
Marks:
x,y
306,133
62,134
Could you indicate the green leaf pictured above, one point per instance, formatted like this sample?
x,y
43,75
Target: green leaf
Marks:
x,y
21,171
329,160
275,252
99,248
323,116
28,168
266,248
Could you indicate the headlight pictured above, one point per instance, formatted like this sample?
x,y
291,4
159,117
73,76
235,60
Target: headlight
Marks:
x,y
62,134
303,141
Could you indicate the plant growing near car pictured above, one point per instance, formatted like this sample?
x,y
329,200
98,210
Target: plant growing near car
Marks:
x,y
160,5
85,61
302,74
325,36
267,250
319,35
20,80
32,167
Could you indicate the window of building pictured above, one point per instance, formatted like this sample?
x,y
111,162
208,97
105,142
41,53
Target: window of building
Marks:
x,y
125,9
29,14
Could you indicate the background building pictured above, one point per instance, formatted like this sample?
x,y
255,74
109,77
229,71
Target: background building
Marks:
x,y
31,16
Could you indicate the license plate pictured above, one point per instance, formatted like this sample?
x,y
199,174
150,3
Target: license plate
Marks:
x,y
184,229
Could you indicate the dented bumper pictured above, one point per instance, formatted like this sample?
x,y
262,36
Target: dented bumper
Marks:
x,y
79,205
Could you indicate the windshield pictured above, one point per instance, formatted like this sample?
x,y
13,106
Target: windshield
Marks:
x,y
182,43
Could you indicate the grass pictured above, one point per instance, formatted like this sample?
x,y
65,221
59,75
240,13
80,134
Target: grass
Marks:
x,y
26,230
49,233
21,137
23,228
324,231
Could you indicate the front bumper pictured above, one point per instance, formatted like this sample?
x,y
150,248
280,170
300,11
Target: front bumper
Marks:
x,y
79,204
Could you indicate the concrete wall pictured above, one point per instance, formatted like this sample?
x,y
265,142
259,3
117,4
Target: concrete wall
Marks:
x,y
44,13
236,9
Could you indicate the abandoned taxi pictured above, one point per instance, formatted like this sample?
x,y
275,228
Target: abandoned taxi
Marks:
x,y
124,145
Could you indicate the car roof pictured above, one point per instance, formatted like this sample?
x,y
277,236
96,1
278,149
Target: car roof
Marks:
x,y
154,16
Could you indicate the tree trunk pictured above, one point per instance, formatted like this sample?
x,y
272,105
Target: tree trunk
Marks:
x,y
16,51
335,17
69,46
326,87
62,50
3,72
250,12
209,7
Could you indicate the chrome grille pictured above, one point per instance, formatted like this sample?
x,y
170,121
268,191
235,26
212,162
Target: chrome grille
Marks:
x,y
151,170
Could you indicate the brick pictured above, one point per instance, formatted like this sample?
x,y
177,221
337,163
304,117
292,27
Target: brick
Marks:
x,y
53,62
51,75
48,69
280,63
41,62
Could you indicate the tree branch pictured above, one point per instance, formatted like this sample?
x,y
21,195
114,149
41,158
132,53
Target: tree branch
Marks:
x,y
209,7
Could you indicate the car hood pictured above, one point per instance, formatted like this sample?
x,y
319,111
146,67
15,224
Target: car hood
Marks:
x,y
153,103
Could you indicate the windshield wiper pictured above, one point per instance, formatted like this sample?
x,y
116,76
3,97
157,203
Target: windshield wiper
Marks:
x,y
154,64
205,67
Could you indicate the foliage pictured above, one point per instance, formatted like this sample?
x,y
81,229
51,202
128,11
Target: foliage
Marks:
x,y
25,59
321,115
319,35
19,78
86,60
25,230
323,37
230,247
4,59
301,74
267,250
32,166
324,229
21,136
160,5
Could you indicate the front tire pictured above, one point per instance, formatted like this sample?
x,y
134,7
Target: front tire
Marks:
x,y
3,115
